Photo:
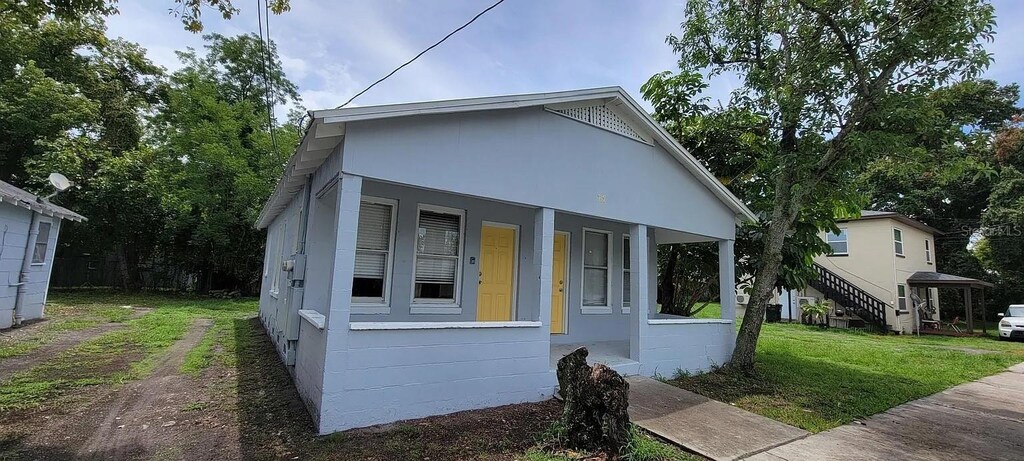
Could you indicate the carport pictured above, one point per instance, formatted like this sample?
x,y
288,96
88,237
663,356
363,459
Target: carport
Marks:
x,y
940,280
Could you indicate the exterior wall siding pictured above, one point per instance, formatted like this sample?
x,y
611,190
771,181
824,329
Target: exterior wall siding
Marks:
x,y
581,327
14,229
536,158
690,347
390,375
872,263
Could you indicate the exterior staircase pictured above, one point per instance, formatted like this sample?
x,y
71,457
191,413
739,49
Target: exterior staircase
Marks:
x,y
848,295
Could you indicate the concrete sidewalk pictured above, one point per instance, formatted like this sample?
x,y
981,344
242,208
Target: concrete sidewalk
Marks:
x,y
981,420
708,427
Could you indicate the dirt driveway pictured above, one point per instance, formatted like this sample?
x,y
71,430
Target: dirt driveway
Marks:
x,y
167,385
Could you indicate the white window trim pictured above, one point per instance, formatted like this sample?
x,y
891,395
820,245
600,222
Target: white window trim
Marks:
x,y
901,242
36,241
927,251
905,298
607,308
625,301
275,266
430,306
371,305
847,241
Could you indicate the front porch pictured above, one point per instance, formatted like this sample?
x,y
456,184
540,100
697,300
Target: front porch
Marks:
x,y
507,292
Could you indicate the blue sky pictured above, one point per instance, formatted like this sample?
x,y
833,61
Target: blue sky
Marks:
x,y
333,49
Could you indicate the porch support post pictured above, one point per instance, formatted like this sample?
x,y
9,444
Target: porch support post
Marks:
x,y
349,196
970,309
543,255
639,297
727,278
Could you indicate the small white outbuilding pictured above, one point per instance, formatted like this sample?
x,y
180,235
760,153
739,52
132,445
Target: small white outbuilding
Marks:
x,y
29,225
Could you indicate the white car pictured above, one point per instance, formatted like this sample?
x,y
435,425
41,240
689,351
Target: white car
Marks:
x,y
1011,324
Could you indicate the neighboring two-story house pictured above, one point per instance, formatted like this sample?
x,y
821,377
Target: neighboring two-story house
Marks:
x,y
870,274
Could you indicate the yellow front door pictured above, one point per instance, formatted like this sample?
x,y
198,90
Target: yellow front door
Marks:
x,y
558,284
497,273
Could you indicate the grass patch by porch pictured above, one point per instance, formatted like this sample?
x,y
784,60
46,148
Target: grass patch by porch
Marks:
x,y
819,379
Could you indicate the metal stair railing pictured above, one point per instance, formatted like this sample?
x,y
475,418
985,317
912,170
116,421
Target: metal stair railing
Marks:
x,y
840,290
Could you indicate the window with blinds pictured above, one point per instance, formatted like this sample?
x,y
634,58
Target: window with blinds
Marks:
x,y
42,240
595,267
374,242
438,255
625,271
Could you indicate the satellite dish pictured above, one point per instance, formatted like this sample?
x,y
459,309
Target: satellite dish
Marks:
x,y
59,181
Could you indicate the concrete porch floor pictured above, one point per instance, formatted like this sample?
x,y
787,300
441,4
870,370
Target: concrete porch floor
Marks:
x,y
614,354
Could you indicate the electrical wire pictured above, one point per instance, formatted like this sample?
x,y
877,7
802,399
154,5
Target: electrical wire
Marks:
x,y
499,2
265,58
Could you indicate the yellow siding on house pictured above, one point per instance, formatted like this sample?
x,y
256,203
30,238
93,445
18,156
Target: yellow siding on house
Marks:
x,y
872,263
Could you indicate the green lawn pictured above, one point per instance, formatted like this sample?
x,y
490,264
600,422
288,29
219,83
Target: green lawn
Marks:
x,y
249,389
120,355
62,317
819,379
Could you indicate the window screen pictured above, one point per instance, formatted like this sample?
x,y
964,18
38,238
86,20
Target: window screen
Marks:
x,y
438,242
39,254
373,252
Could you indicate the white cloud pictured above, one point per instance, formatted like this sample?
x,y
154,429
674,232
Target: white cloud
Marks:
x,y
332,49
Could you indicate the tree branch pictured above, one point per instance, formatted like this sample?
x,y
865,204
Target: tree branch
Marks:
x,y
844,41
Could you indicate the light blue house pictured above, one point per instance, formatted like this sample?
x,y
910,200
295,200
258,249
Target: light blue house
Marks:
x,y
29,226
435,257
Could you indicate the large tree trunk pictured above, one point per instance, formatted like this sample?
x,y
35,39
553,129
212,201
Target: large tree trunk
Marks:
x,y
784,213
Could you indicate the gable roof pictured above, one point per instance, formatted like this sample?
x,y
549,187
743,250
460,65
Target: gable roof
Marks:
x,y
21,198
872,214
328,129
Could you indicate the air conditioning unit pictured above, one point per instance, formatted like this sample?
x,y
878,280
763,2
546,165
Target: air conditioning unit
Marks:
x,y
742,299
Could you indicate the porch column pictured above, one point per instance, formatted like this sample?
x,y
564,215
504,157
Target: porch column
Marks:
x,y
970,309
543,255
349,196
727,278
639,297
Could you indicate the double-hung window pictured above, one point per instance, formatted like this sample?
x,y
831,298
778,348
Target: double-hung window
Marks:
x,y
927,251
901,297
438,255
839,242
626,273
374,244
42,242
277,246
897,239
596,249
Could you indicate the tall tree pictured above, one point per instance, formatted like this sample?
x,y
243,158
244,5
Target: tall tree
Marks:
x,y
189,11
947,181
836,80
733,143
218,159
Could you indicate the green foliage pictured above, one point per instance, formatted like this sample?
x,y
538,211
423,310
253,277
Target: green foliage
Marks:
x,y
218,161
189,11
816,312
838,84
643,447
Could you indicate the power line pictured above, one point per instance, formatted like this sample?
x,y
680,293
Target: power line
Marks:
x,y
265,58
499,2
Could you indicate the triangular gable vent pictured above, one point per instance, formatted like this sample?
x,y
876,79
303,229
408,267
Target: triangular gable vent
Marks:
x,y
602,117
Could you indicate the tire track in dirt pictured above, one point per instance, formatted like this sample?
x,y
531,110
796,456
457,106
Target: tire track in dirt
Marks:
x,y
134,426
13,365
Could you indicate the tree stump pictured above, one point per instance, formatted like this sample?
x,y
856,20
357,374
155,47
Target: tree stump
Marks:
x,y
596,401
